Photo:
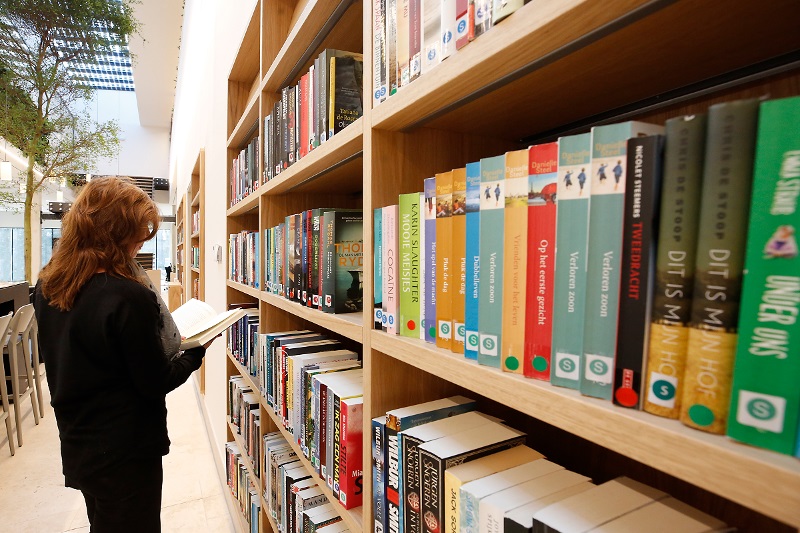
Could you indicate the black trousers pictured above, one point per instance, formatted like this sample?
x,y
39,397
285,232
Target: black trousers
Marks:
x,y
125,498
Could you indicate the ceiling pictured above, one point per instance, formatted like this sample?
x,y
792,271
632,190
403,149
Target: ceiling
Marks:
x,y
155,64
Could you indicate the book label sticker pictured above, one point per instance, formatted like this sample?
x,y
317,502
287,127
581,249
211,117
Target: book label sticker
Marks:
x,y
567,365
598,368
662,390
445,329
489,345
471,339
761,411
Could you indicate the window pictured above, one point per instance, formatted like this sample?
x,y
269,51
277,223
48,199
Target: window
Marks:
x,y
50,237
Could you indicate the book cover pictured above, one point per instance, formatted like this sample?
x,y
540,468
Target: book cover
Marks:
x,y
515,263
459,259
473,257
344,262
542,210
390,273
414,39
684,149
765,397
445,270
437,456
724,207
638,262
377,254
431,27
429,258
379,475
448,28
346,76
402,40
459,475
379,79
326,90
490,313
409,257
351,462
609,162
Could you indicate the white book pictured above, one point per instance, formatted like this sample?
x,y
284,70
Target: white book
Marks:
x,y
448,28
664,516
199,323
523,515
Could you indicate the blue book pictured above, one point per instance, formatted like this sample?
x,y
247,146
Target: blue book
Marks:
x,y
377,287
473,256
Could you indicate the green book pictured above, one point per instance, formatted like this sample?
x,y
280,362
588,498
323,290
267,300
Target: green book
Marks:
x,y
727,180
604,258
572,235
409,242
490,313
765,398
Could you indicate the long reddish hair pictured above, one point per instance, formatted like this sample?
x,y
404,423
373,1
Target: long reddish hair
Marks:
x,y
109,217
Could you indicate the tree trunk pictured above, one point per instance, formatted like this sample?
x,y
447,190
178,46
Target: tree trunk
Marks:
x,y
29,192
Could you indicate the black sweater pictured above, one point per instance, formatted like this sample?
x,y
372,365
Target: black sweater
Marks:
x,y
108,375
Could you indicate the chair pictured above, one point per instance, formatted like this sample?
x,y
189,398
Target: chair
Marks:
x,y
6,414
18,346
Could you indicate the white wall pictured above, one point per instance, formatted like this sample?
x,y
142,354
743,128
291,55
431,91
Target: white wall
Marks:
x,y
212,32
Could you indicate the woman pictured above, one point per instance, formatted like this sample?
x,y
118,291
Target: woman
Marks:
x,y
107,348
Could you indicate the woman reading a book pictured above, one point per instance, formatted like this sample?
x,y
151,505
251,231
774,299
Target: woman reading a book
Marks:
x,y
109,348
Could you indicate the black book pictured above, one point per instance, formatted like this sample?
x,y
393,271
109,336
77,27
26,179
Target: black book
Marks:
x,y
345,106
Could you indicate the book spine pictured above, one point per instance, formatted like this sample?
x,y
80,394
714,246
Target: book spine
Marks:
x,y
304,102
429,257
445,268
448,28
351,470
332,103
402,37
314,269
422,269
324,430
727,180
289,257
410,484
472,254
431,29
515,250
304,253
379,80
291,118
414,39
459,258
408,253
482,17
392,481
431,470
490,314
347,286
330,439
462,21
638,247
390,266
542,208
377,253
313,138
765,398
392,74
328,280
297,261
379,474
675,259
323,97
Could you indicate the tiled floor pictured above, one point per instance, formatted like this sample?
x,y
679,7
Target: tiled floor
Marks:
x,y
33,498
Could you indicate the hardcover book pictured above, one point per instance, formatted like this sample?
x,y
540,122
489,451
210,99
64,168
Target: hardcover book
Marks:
x,y
684,150
541,196
346,78
445,269
490,314
609,176
473,257
350,457
459,260
765,397
514,272
638,254
344,262
429,258
572,235
409,257
727,180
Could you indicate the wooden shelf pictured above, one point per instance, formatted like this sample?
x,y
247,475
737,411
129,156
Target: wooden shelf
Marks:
x,y
247,462
196,200
759,479
195,270
240,521
350,325
246,205
329,167
246,126
195,235
241,287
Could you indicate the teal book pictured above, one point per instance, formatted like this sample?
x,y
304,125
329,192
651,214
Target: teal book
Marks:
x,y
377,253
572,234
765,401
604,259
492,207
473,260
409,255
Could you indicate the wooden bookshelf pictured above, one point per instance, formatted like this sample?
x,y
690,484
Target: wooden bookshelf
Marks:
x,y
550,69
181,238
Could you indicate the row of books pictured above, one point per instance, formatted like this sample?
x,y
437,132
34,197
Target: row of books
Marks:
x,y
245,416
196,222
242,487
242,341
195,256
316,258
442,466
244,251
411,37
547,262
244,177
315,388
295,500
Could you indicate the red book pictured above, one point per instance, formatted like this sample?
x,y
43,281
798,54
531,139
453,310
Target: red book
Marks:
x,y
304,115
542,181
351,446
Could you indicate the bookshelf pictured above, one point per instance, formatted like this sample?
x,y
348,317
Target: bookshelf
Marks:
x,y
181,238
552,68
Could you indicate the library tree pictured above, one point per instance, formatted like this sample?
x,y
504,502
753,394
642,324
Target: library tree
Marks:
x,y
41,42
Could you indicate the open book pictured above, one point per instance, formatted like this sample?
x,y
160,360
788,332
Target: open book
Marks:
x,y
199,323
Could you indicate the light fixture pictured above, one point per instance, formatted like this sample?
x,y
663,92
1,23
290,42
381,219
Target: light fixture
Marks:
x,y
5,170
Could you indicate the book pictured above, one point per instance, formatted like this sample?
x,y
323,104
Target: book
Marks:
x,y
414,39
379,474
409,257
472,254
724,207
445,269
402,42
515,263
684,148
326,91
429,259
350,484
542,210
431,28
638,262
490,314
458,258
482,18
437,456
392,72
503,8
457,476
346,78
377,269
609,151
422,268
520,520
765,398
198,322
462,22
447,33
342,285
390,264
379,79
667,515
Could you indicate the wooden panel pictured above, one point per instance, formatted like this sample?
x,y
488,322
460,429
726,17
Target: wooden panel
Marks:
x,y
278,15
348,325
245,67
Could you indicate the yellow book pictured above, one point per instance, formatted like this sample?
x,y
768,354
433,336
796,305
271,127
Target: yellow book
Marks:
x,y
459,265
445,279
515,270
